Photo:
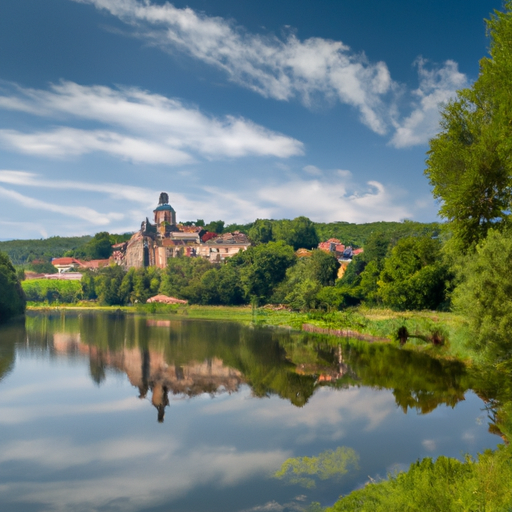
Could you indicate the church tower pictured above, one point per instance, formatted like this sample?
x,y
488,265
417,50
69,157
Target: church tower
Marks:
x,y
164,212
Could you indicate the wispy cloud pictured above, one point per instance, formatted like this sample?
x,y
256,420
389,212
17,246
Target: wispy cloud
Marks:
x,y
327,196
273,67
437,87
141,195
135,125
81,212
286,68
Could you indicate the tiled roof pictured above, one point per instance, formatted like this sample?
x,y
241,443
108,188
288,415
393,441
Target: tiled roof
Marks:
x,y
66,261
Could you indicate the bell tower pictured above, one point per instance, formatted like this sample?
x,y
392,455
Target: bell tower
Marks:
x,y
164,212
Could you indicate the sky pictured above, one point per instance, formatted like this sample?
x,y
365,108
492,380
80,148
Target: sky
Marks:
x,y
238,109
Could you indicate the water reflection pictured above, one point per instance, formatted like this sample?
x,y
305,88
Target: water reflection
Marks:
x,y
189,358
76,433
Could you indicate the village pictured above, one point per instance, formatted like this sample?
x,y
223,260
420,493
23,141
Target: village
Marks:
x,y
155,242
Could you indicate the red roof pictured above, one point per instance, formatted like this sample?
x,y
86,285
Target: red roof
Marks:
x,y
96,263
66,261
208,236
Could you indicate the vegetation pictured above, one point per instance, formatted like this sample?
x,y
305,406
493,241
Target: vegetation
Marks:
x,y
22,252
443,485
52,290
12,298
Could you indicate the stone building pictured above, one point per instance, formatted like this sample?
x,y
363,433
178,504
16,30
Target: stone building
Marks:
x,y
156,242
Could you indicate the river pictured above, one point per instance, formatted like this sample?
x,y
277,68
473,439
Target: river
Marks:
x,y
114,412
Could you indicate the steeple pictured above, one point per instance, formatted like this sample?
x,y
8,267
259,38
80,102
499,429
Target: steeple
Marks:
x,y
164,212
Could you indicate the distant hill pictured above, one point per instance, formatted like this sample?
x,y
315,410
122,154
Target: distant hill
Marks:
x,y
357,234
23,251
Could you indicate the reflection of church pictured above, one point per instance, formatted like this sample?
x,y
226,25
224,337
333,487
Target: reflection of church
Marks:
x,y
154,243
149,371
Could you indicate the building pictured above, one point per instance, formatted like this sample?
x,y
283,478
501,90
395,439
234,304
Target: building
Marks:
x,y
156,242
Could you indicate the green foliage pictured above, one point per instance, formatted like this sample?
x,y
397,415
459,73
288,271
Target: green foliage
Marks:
x,y
469,164
358,235
107,285
216,226
446,485
414,276
24,251
299,233
327,465
262,268
52,290
305,280
261,231
99,248
42,267
484,297
12,298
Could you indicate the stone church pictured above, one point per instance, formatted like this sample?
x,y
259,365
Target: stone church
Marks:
x,y
154,243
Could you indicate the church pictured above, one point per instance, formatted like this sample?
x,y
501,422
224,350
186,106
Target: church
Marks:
x,y
156,242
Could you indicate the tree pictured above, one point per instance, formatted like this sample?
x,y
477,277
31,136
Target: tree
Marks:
x,y
107,285
262,268
414,276
261,231
100,247
484,297
12,298
299,232
469,163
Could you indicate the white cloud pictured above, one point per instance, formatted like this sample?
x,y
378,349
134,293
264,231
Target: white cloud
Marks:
x,y
330,197
313,170
272,67
141,127
81,212
437,87
62,142
429,444
141,195
284,68
332,200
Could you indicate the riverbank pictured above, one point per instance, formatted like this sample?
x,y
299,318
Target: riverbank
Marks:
x,y
436,333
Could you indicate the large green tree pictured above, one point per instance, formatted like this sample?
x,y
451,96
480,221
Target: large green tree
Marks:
x,y
484,297
262,268
414,276
469,163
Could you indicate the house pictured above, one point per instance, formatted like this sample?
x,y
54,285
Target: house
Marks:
x,y
66,264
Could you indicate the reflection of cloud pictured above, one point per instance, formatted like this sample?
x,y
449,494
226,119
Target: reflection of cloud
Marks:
x,y
62,454
13,415
168,471
328,408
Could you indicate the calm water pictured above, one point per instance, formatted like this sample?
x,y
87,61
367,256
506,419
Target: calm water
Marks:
x,y
106,412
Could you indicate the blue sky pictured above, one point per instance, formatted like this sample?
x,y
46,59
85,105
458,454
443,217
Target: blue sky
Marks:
x,y
239,110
